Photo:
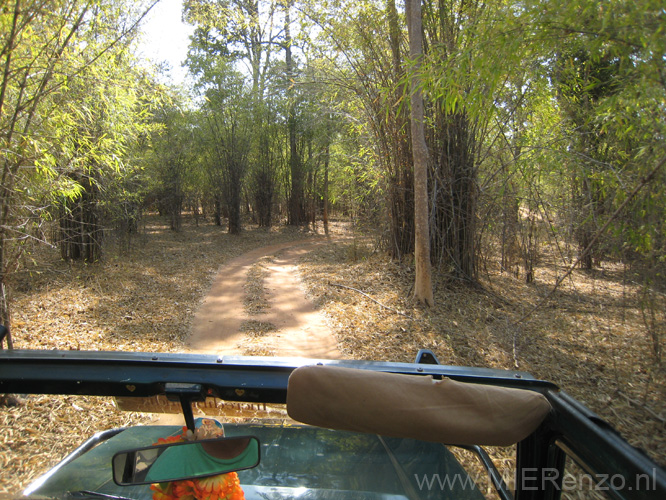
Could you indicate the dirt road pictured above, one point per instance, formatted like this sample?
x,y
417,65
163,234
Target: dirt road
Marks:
x,y
294,327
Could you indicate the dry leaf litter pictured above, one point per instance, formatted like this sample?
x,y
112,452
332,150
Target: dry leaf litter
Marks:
x,y
141,299
589,337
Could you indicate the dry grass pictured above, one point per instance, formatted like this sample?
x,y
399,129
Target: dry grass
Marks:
x,y
254,328
589,338
255,301
141,300
37,435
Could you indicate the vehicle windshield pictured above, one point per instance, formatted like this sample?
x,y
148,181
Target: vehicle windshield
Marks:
x,y
296,462
227,411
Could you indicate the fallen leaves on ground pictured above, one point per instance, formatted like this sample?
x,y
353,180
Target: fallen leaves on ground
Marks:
x,y
589,337
142,299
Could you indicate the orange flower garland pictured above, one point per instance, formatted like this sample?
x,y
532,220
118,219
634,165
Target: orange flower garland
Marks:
x,y
220,487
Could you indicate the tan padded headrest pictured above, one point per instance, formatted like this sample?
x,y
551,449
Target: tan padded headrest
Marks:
x,y
418,407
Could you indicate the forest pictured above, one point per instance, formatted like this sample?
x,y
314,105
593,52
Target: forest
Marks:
x,y
470,142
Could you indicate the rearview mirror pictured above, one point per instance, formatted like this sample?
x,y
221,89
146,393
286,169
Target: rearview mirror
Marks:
x,y
189,460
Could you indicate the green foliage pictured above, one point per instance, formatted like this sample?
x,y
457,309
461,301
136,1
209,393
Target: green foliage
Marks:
x,y
171,158
568,100
554,109
612,68
65,110
69,112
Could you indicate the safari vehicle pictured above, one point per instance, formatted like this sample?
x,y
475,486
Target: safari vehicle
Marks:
x,y
319,429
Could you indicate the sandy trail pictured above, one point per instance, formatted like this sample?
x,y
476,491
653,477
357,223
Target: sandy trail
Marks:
x,y
300,329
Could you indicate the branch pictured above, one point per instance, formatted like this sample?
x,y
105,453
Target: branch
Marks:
x,y
24,236
376,302
645,407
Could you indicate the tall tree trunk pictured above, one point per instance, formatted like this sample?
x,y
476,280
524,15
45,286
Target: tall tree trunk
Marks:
x,y
218,210
296,193
326,160
175,210
398,150
236,166
423,284
5,316
80,230
263,179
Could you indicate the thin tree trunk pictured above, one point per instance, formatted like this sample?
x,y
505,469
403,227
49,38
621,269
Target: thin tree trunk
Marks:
x,y
423,284
218,211
296,193
326,160
398,149
5,311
